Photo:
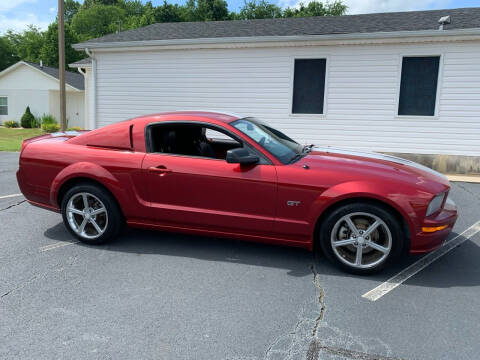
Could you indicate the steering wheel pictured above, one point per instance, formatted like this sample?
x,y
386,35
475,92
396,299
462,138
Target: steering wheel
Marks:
x,y
262,141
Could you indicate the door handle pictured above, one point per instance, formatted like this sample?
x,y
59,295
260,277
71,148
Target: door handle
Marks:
x,y
161,170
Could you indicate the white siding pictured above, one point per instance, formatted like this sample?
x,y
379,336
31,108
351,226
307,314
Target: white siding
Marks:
x,y
75,107
361,92
18,100
26,86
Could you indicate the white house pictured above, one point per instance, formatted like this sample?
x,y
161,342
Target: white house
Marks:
x,y
405,83
27,84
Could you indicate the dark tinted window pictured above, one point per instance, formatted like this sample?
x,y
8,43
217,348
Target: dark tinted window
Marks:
x,y
418,87
191,140
275,142
309,86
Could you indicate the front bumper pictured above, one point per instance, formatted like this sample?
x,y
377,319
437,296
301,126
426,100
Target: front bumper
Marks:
x,y
428,241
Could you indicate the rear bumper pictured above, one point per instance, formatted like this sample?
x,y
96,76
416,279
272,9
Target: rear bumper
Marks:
x,y
426,241
35,195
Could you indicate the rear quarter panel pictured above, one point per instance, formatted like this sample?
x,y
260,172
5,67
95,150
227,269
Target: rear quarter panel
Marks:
x,y
48,164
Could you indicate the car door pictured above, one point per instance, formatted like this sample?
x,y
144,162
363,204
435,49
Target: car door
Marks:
x,y
210,194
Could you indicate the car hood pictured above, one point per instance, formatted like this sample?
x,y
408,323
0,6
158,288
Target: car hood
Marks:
x,y
378,164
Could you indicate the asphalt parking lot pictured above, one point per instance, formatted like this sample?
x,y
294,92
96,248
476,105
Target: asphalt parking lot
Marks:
x,y
154,295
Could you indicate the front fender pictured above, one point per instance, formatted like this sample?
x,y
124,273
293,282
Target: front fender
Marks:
x,y
385,193
90,171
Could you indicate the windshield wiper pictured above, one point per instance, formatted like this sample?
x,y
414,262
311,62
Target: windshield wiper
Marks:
x,y
307,148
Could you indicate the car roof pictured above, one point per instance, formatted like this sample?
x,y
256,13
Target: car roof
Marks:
x,y
201,114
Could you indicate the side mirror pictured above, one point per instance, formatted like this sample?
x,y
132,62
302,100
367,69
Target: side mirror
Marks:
x,y
241,156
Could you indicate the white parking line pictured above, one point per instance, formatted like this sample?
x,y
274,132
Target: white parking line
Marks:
x,y
10,196
56,245
407,273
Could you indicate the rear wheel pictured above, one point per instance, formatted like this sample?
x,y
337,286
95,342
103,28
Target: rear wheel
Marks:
x,y
361,238
91,214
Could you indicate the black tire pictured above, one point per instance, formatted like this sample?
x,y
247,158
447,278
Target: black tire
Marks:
x,y
111,227
391,234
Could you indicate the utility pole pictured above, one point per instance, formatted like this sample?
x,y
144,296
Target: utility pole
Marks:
x,y
61,65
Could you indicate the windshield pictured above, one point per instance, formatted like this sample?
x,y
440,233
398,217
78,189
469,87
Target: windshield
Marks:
x,y
275,142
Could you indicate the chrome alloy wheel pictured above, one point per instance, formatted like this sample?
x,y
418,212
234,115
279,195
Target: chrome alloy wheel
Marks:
x,y
361,240
87,215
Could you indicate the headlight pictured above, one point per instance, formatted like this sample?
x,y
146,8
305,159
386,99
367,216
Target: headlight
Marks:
x,y
435,204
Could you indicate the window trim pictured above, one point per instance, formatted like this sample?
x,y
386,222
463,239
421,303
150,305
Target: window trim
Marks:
x,y
148,140
325,90
435,115
6,97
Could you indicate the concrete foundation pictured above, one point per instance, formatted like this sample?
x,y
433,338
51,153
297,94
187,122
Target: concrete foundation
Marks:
x,y
446,164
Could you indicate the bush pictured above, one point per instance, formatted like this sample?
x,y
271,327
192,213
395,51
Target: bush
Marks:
x,y
48,119
11,124
50,128
36,123
74,128
27,119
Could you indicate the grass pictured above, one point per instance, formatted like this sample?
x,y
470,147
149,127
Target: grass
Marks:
x,y
11,139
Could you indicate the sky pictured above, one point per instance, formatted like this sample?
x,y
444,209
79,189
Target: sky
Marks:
x,y
17,14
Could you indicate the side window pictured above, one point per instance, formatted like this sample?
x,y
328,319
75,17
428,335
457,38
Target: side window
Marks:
x,y
309,86
3,105
418,86
193,140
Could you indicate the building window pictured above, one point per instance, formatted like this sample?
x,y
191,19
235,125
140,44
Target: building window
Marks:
x,y
418,86
3,105
309,86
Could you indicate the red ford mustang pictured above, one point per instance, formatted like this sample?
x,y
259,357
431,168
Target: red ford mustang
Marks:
x,y
226,176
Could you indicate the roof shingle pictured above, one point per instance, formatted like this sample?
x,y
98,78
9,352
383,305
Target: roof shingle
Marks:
x,y
464,18
71,78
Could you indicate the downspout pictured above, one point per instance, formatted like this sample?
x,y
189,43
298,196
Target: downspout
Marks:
x,y
93,120
85,97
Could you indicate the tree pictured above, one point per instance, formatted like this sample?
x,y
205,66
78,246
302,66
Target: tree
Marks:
x,y
27,119
206,10
316,8
88,3
8,55
97,20
169,13
27,44
137,14
259,10
71,7
49,51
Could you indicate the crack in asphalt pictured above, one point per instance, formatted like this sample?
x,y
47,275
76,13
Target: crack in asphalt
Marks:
x,y
321,300
13,205
57,267
316,347
294,344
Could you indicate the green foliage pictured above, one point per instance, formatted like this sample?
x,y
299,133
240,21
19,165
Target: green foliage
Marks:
x,y
49,50
168,13
48,119
11,124
316,8
8,55
50,128
74,128
36,123
97,20
71,7
27,44
27,118
259,10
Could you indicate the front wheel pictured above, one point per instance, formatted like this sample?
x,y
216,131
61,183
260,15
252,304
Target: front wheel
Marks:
x,y
361,238
91,214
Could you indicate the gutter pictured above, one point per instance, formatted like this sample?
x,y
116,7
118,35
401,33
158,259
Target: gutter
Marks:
x,y
393,35
93,120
